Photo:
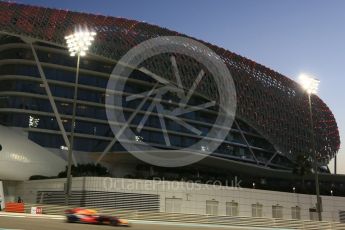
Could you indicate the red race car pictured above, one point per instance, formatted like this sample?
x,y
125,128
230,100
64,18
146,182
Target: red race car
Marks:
x,y
90,216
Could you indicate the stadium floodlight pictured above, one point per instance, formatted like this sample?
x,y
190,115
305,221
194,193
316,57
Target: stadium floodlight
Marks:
x,y
309,83
80,41
78,44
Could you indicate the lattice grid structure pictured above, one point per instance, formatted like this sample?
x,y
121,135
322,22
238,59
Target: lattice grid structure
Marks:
x,y
273,104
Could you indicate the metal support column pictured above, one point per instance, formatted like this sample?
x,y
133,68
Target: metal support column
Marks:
x,y
271,159
50,96
317,186
70,150
245,140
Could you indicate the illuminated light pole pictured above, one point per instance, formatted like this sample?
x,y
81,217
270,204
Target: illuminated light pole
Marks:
x,y
78,44
333,219
310,85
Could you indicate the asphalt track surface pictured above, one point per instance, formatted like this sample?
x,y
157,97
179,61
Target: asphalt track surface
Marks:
x,y
26,223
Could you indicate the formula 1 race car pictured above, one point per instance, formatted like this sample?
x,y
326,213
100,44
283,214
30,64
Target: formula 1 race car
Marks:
x,y
89,216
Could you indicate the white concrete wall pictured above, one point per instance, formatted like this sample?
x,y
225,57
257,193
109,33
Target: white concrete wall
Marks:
x,y
20,157
193,195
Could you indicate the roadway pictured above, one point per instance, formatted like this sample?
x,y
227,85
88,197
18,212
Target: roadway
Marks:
x,y
32,223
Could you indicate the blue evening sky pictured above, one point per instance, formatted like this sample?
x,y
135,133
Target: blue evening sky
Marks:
x,y
288,36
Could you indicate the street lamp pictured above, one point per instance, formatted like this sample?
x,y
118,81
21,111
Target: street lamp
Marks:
x,y
310,85
78,44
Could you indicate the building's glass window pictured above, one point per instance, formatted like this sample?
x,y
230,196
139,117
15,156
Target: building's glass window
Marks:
x,y
262,155
16,53
19,69
257,210
232,208
47,140
296,213
59,75
212,207
277,211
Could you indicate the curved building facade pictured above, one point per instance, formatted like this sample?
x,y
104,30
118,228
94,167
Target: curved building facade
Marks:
x,y
37,76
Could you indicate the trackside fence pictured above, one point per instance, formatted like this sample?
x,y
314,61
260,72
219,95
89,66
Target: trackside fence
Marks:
x,y
200,219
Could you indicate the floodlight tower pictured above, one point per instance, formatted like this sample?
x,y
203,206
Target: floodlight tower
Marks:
x,y
310,85
78,44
